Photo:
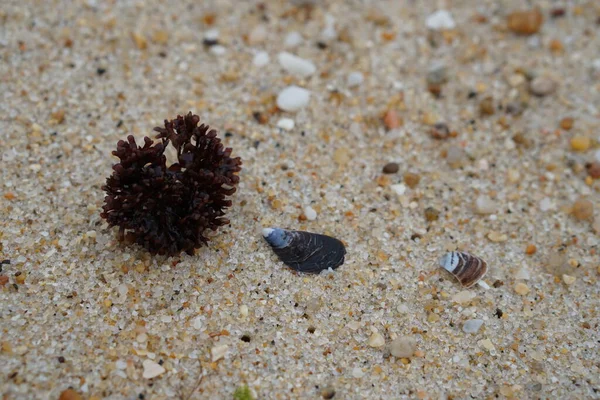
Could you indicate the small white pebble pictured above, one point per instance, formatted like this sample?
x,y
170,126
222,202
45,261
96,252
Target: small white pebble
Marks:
x,y
357,372
296,65
243,311
568,279
472,325
197,323
261,59
522,274
292,39
485,205
402,309
218,352
310,213
399,188
257,35
293,98
152,369
142,338
218,50
376,340
212,34
463,297
439,20
546,204
403,347
287,124
355,79
120,364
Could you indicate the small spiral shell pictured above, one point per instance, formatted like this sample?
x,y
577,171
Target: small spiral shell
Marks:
x,y
466,268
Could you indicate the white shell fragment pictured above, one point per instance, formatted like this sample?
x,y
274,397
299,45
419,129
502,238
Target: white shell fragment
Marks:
x,y
472,325
293,98
439,20
296,65
287,124
305,251
152,369
466,268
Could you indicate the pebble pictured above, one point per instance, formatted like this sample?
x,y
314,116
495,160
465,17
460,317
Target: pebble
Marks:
x,y
431,214
455,156
257,35
328,393
593,169
355,79
463,297
391,168
399,189
485,205
521,289
211,35
296,65
525,22
292,39
70,394
411,180
440,131
581,143
546,204
403,347
583,209
497,237
513,175
472,325
439,20
522,274
376,340
357,372
261,59
486,106
197,323
487,344
437,73
218,50
566,123
218,352
152,369
391,119
310,213
244,311
568,279
287,124
542,86
293,98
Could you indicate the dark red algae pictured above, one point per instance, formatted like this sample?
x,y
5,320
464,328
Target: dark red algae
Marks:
x,y
168,208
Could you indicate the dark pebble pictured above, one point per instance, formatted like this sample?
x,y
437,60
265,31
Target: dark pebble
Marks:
x,y
101,71
431,214
61,359
391,168
440,131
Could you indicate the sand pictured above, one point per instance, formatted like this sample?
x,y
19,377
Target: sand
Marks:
x,y
79,310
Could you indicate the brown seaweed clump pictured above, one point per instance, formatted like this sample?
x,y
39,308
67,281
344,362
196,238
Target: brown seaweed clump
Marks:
x,y
167,209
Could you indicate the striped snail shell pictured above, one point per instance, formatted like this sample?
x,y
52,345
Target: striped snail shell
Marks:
x,y
467,268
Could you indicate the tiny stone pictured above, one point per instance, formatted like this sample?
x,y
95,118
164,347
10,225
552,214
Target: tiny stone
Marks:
x,y
357,372
542,86
243,311
399,189
257,35
485,205
292,39
546,204
497,237
341,156
472,325
431,214
310,213
152,369
218,50
531,249
391,168
566,123
455,156
261,59
376,340
568,279
328,393
287,124
581,143
522,274
525,22
391,119
355,79
440,20
411,180
440,131
70,394
403,347
293,98
437,73
513,175
593,169
463,297
487,344
296,65
521,289
218,352
486,107
583,209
